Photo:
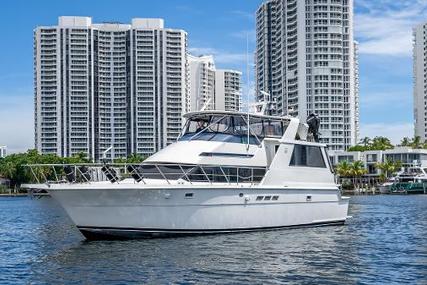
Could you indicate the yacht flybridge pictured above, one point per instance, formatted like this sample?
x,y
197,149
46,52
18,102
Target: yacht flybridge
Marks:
x,y
227,172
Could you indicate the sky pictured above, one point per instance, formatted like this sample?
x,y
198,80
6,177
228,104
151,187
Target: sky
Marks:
x,y
383,29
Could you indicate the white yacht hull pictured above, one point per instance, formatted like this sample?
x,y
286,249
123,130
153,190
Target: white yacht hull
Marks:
x,y
385,188
154,212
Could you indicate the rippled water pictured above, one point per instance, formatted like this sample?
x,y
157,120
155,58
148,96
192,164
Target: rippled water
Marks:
x,y
385,242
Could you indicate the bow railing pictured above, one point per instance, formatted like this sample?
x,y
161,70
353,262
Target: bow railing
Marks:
x,y
145,173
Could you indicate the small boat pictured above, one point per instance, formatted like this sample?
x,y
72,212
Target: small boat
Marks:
x,y
228,172
385,188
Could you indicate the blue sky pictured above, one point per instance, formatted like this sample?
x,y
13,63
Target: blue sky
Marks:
x,y
382,27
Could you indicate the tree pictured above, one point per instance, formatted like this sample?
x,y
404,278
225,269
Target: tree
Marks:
x,y
354,170
381,143
135,158
132,158
377,143
366,142
388,167
13,167
80,157
357,148
343,169
405,142
416,142
358,170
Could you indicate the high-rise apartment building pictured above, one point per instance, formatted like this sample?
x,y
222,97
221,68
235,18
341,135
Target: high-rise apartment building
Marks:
x,y
420,80
202,82
305,58
3,151
228,90
356,90
211,88
98,86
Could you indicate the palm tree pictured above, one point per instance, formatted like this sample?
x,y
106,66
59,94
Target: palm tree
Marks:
x,y
388,167
381,143
358,170
405,142
416,142
135,158
366,142
344,168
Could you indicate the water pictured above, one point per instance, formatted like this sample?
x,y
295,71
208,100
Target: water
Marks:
x,y
384,243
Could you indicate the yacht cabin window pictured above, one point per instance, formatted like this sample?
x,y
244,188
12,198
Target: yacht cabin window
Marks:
x,y
229,128
307,156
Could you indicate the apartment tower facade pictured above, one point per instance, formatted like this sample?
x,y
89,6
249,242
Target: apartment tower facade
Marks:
x,y
305,58
202,82
3,151
212,88
228,90
420,80
97,86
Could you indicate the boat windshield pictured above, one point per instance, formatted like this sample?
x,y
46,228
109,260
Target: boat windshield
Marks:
x,y
232,128
415,171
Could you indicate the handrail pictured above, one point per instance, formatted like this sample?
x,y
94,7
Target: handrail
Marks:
x,y
204,172
176,171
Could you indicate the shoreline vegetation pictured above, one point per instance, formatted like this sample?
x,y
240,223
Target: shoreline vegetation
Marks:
x,y
383,143
12,167
13,170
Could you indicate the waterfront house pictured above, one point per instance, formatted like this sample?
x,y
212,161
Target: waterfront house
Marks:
x,y
407,156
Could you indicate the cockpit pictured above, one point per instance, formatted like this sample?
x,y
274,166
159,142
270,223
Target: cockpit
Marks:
x,y
233,128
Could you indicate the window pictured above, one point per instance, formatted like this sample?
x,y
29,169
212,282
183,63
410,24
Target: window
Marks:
x,y
308,156
233,129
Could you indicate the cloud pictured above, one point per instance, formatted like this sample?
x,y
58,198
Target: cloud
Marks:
x,y
385,26
394,131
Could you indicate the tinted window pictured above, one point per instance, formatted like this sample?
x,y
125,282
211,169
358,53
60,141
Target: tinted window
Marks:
x,y
309,156
273,128
228,128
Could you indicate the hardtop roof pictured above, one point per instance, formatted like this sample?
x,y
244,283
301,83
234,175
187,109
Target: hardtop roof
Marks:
x,y
234,113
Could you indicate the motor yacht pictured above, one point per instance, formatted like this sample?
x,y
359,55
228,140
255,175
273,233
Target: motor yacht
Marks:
x,y
413,174
227,172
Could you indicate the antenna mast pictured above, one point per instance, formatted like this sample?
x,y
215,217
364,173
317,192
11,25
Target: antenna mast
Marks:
x,y
247,86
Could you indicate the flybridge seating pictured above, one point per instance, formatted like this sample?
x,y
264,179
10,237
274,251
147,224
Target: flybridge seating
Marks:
x,y
145,173
232,127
